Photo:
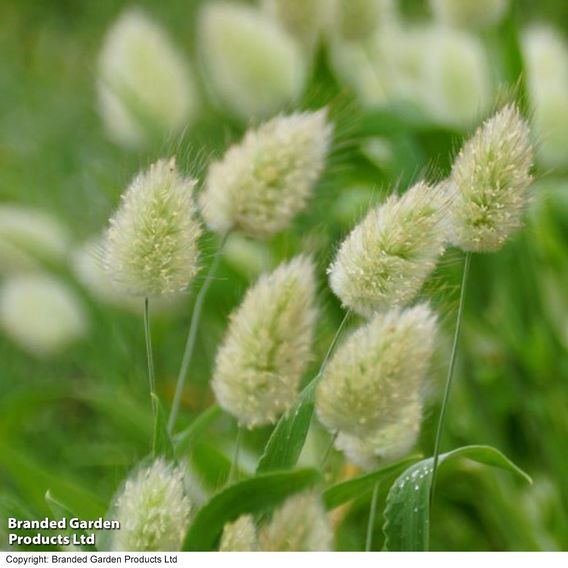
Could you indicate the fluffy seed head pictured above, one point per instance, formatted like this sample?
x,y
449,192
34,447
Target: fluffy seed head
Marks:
x,y
239,536
253,65
489,182
263,182
268,345
354,20
469,13
151,244
28,237
386,444
546,62
386,258
304,19
41,314
376,371
144,85
152,509
300,525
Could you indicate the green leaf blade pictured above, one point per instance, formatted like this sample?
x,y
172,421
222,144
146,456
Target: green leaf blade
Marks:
x,y
407,511
360,486
251,496
288,437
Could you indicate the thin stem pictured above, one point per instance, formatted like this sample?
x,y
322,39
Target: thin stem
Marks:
x,y
192,335
372,515
327,452
149,356
233,473
333,343
443,411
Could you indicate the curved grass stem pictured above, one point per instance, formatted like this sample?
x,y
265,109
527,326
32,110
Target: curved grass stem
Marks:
x,y
451,366
372,515
192,335
150,357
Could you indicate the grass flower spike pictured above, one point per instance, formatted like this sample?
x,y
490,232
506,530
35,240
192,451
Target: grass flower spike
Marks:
x,y
29,237
239,536
546,60
254,67
357,20
489,180
304,19
152,509
41,314
268,345
145,86
376,371
300,525
262,183
470,13
386,444
151,244
385,259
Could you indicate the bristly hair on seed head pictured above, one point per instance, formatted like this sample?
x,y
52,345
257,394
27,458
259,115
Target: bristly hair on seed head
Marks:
x,y
377,370
262,183
268,345
299,525
387,257
152,509
490,181
150,248
387,443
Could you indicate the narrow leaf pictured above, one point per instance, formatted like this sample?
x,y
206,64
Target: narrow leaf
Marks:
x,y
161,443
252,496
407,512
288,437
362,485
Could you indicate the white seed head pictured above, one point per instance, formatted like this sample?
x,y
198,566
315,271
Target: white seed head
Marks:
x,y
489,180
378,369
152,509
144,84
456,76
386,258
263,182
268,345
357,20
239,536
253,65
41,313
469,13
304,19
299,525
546,62
388,443
151,245
29,237
89,270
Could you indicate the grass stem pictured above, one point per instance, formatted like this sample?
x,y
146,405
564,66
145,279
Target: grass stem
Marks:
x,y
192,335
372,515
451,366
150,357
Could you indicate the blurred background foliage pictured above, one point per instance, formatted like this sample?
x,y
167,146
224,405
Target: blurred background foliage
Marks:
x,y
75,422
